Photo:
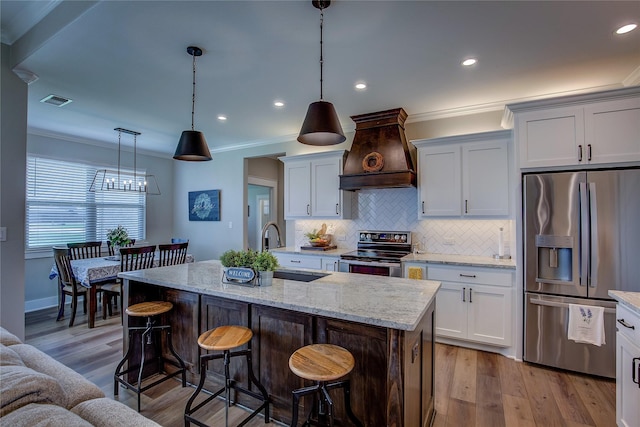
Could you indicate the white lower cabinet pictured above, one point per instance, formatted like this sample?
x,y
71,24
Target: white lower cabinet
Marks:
x,y
315,262
627,368
474,304
291,260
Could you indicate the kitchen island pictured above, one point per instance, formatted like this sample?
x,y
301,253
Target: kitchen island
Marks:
x,y
386,323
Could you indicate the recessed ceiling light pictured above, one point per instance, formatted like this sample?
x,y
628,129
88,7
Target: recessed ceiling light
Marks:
x,y
278,104
626,28
222,118
361,86
469,62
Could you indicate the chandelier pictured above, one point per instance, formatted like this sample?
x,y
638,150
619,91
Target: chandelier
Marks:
x,y
124,180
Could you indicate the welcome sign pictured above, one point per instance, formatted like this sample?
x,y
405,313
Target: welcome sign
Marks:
x,y
240,275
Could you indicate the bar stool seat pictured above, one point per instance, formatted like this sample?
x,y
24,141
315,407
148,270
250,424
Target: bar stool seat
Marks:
x,y
149,310
322,363
226,338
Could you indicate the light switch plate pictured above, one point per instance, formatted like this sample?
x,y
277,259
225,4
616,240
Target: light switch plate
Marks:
x,y
3,234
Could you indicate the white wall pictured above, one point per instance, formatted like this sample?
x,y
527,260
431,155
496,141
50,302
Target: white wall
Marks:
x,y
40,291
13,143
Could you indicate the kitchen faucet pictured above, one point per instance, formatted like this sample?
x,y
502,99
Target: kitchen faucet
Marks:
x,y
264,234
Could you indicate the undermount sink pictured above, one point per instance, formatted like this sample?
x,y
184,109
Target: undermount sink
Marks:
x,y
300,276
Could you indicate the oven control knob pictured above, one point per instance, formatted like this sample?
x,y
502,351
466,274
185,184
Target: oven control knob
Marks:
x,y
368,236
396,237
362,236
403,237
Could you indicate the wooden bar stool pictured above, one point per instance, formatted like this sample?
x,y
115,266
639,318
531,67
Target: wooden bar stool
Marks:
x,y
322,363
148,310
225,338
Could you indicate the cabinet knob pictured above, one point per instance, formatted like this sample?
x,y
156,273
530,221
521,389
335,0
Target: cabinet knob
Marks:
x,y
589,152
464,290
466,206
470,295
308,211
337,209
579,153
423,206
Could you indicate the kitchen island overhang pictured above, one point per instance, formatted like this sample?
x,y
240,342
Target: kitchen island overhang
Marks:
x,y
387,323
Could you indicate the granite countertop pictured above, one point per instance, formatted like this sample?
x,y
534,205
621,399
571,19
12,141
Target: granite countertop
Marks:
x,y
476,261
297,251
631,300
373,300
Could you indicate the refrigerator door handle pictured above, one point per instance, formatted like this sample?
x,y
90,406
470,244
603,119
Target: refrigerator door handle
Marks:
x,y
584,233
538,301
593,235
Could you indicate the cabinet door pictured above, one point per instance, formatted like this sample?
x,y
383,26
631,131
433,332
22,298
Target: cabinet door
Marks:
x,y
489,314
277,334
439,181
611,132
451,310
485,178
297,189
551,138
330,263
325,188
627,391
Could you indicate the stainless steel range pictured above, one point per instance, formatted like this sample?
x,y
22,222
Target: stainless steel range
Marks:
x,y
378,252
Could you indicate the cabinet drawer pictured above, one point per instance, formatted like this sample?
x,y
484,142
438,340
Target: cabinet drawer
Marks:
x,y
299,261
628,323
485,276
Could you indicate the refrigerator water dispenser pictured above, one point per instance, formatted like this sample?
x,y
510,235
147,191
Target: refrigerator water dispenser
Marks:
x,y
555,254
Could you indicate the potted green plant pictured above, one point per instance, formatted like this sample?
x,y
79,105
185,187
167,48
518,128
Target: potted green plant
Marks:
x,y
265,263
240,259
118,237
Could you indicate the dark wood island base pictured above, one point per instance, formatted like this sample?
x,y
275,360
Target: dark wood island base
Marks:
x,y
392,383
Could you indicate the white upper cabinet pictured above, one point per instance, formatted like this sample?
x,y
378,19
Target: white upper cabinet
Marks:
x,y
466,175
596,129
311,186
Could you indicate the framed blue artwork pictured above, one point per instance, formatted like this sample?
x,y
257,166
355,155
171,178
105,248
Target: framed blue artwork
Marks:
x,y
204,205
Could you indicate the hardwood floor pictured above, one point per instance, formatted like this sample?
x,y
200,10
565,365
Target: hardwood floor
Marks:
x,y
473,388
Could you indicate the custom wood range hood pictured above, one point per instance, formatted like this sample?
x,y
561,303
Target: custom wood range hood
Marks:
x,y
379,156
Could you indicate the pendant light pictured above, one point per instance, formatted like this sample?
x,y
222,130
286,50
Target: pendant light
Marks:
x,y
192,145
123,180
321,125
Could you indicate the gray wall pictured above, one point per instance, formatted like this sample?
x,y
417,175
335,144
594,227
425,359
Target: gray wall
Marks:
x,y
13,143
39,290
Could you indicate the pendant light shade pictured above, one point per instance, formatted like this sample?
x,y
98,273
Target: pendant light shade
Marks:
x,y
321,125
192,145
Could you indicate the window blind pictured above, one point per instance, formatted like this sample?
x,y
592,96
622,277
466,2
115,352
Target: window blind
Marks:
x,y
60,209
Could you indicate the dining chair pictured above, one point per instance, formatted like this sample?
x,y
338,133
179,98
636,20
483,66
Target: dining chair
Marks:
x,y
84,250
111,249
69,285
173,253
131,258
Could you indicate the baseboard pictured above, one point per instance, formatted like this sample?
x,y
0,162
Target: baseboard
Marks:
x,y
505,351
39,304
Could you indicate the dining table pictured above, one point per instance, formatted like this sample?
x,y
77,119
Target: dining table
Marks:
x,y
93,272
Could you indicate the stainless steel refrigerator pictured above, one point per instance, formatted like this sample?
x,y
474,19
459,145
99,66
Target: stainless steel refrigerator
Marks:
x,y
582,239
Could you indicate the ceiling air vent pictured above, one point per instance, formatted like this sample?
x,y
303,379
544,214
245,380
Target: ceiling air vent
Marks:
x,y
56,100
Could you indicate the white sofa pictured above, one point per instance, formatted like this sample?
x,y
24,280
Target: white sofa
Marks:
x,y
35,389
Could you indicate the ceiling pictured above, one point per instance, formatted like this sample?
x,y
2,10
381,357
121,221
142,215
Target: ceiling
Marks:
x,y
125,64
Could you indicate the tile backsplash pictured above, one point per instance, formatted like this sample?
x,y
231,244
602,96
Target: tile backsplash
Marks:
x,y
397,209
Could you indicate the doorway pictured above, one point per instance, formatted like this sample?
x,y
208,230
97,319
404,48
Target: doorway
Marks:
x,y
261,208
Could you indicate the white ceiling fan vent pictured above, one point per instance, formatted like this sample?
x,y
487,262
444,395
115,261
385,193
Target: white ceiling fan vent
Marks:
x,y
56,100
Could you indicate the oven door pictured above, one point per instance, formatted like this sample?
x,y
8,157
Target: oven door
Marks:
x,y
391,269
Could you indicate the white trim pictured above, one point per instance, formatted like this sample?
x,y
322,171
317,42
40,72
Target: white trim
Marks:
x,y
39,304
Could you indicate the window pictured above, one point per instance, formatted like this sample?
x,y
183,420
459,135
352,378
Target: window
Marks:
x,y
61,209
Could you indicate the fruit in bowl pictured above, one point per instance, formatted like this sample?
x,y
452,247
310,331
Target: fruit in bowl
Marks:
x,y
319,237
